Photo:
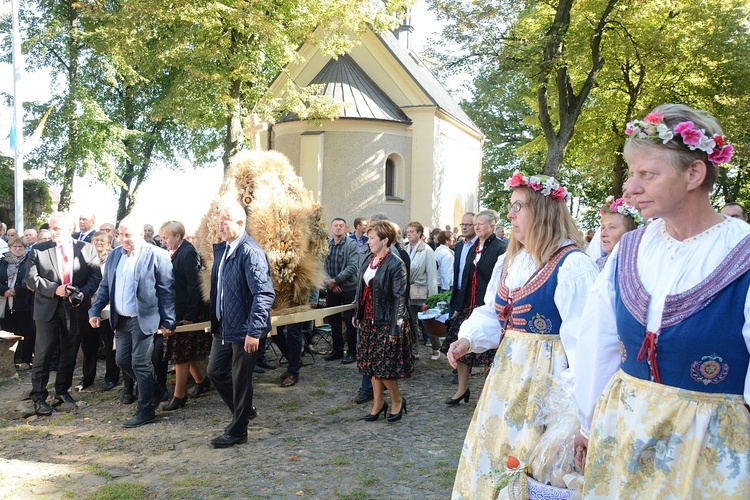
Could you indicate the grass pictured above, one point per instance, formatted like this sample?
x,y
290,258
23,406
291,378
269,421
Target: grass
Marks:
x,y
366,480
290,406
354,495
92,440
320,392
321,383
339,461
337,409
120,491
22,432
99,470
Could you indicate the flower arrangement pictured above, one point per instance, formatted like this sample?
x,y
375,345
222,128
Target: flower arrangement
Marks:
x,y
545,184
653,127
620,206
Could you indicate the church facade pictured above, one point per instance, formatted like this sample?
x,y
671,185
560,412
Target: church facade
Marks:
x,y
401,146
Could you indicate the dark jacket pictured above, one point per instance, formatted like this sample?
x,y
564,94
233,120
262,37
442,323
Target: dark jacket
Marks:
x,y
388,287
493,249
24,298
248,291
188,302
45,275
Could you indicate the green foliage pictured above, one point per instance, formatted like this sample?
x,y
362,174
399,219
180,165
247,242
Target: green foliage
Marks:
x,y
653,52
432,300
37,202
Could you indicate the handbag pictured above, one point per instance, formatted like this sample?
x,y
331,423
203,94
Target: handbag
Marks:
x,y
418,292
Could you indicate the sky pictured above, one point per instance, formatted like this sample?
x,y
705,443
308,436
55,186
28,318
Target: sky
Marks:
x,y
168,194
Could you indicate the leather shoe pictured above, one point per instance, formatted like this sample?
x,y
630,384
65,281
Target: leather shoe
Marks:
x,y
334,355
349,359
283,376
62,399
108,386
253,414
363,397
263,363
258,369
160,394
41,408
127,399
139,419
199,389
289,381
227,440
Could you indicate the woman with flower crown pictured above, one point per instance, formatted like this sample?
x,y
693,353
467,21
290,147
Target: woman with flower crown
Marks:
x,y
532,316
618,217
661,398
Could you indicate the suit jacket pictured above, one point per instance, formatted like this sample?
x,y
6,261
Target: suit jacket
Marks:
x,y
186,266
493,249
87,238
45,275
154,289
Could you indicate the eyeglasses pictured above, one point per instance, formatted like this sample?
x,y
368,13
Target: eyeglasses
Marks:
x,y
466,225
516,206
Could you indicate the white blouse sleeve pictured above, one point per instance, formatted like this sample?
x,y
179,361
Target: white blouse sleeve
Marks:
x,y
574,282
597,349
482,329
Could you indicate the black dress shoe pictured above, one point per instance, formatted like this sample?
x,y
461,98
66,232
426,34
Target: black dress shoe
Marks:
x,y
199,389
108,386
334,356
263,363
397,416
63,398
139,420
175,404
258,369
127,399
227,440
349,359
457,401
41,408
363,397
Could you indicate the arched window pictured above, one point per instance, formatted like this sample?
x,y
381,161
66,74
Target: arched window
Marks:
x,y
390,178
394,178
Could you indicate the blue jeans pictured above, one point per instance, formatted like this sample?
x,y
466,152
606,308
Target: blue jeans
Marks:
x,y
134,349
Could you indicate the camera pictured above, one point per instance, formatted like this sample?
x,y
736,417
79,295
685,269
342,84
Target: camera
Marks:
x,y
75,295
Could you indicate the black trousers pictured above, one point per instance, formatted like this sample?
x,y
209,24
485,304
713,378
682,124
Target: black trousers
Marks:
x,y
230,370
65,327
112,373
289,340
337,335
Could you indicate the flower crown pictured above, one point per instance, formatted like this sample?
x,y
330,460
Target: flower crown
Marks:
x,y
620,206
653,127
547,185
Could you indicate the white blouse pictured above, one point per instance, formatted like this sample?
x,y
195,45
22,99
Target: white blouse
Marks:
x,y
576,276
665,267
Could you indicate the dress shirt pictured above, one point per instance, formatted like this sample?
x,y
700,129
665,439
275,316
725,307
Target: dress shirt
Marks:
x,y
229,250
67,247
125,300
462,263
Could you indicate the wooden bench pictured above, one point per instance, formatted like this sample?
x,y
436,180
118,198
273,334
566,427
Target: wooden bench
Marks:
x,y
8,344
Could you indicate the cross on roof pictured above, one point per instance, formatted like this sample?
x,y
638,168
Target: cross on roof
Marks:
x,y
257,125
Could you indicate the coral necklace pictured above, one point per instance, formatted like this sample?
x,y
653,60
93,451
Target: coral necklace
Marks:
x,y
375,263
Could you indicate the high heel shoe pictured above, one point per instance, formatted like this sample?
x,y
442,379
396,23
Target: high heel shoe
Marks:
x,y
199,389
175,403
464,396
397,416
373,418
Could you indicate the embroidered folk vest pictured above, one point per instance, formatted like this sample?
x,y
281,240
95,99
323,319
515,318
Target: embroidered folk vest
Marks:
x,y
699,344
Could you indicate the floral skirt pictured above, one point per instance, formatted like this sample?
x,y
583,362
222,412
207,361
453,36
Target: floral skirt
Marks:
x,y
471,359
187,346
504,421
379,356
651,440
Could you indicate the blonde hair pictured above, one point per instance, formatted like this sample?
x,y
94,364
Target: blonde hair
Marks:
x,y
551,225
174,228
679,156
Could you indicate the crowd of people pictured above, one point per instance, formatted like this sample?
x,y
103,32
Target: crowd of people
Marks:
x,y
639,321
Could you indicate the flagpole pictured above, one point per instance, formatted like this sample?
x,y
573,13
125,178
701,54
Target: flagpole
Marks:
x,y
17,117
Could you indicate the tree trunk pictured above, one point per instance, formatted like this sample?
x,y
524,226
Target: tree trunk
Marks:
x,y
235,137
72,150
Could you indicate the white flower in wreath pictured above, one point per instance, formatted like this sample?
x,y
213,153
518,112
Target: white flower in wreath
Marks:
x,y
665,134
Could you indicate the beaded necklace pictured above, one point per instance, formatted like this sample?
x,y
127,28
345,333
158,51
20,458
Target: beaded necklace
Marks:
x,y
375,263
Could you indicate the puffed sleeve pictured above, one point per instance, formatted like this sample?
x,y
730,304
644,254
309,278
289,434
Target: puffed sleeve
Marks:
x,y
597,350
482,329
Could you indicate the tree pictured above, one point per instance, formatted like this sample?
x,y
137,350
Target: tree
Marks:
x,y
229,51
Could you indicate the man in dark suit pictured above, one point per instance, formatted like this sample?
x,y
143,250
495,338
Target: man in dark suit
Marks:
x,y
139,286
64,274
241,298
461,251
86,227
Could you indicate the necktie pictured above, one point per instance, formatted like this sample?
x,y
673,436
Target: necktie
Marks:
x,y
65,267
219,287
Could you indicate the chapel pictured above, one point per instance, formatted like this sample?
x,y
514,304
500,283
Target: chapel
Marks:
x,y
402,145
